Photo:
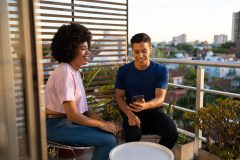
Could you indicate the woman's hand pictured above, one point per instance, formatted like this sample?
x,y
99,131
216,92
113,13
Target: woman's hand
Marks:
x,y
109,127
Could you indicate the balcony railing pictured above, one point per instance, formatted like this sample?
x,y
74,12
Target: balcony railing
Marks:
x,y
199,90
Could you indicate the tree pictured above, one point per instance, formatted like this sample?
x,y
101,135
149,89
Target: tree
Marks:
x,y
219,122
219,50
185,47
224,47
157,53
228,45
191,76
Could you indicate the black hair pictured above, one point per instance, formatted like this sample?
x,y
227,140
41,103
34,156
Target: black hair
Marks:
x,y
140,37
66,41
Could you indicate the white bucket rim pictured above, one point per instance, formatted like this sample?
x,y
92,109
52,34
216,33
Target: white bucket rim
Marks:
x,y
150,144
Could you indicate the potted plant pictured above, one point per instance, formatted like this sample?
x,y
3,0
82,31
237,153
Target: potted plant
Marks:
x,y
220,124
184,148
106,107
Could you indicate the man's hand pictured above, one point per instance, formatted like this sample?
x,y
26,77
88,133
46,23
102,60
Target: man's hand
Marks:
x,y
133,120
138,106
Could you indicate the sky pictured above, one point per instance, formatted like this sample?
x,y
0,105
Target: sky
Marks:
x,y
198,19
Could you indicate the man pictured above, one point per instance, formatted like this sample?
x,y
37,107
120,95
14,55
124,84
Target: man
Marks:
x,y
149,79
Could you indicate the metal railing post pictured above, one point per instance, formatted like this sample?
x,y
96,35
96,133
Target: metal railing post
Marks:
x,y
199,104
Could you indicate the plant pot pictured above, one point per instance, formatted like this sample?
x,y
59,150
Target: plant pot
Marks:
x,y
205,155
183,151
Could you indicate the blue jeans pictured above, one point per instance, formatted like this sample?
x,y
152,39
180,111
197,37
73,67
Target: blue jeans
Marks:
x,y
62,130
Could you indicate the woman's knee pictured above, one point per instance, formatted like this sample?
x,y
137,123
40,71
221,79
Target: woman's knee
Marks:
x,y
110,140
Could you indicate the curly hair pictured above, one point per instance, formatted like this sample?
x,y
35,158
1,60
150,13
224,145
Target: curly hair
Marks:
x,y
66,41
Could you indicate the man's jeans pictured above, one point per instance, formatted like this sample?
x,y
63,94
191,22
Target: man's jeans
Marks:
x,y
61,130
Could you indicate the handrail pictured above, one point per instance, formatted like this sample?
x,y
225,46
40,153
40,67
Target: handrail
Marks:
x,y
182,86
180,108
198,62
195,62
222,93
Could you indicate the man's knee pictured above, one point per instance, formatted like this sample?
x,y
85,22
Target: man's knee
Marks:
x,y
174,137
132,134
173,134
170,140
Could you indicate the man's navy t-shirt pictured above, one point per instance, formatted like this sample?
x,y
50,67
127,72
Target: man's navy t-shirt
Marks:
x,y
141,82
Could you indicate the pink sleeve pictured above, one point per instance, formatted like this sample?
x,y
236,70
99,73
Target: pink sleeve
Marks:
x,y
65,86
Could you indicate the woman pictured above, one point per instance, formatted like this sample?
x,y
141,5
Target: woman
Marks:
x,y
69,119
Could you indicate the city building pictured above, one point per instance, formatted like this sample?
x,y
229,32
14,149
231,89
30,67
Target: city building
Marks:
x,y
179,56
236,26
220,39
201,53
218,72
237,70
176,76
237,47
179,39
225,84
202,45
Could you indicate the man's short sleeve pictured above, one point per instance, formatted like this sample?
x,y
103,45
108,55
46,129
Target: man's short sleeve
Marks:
x,y
120,80
162,77
65,87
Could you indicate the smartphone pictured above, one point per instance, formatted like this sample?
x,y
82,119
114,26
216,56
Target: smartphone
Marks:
x,y
137,98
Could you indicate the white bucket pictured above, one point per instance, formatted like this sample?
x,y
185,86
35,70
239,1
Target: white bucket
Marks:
x,y
140,151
